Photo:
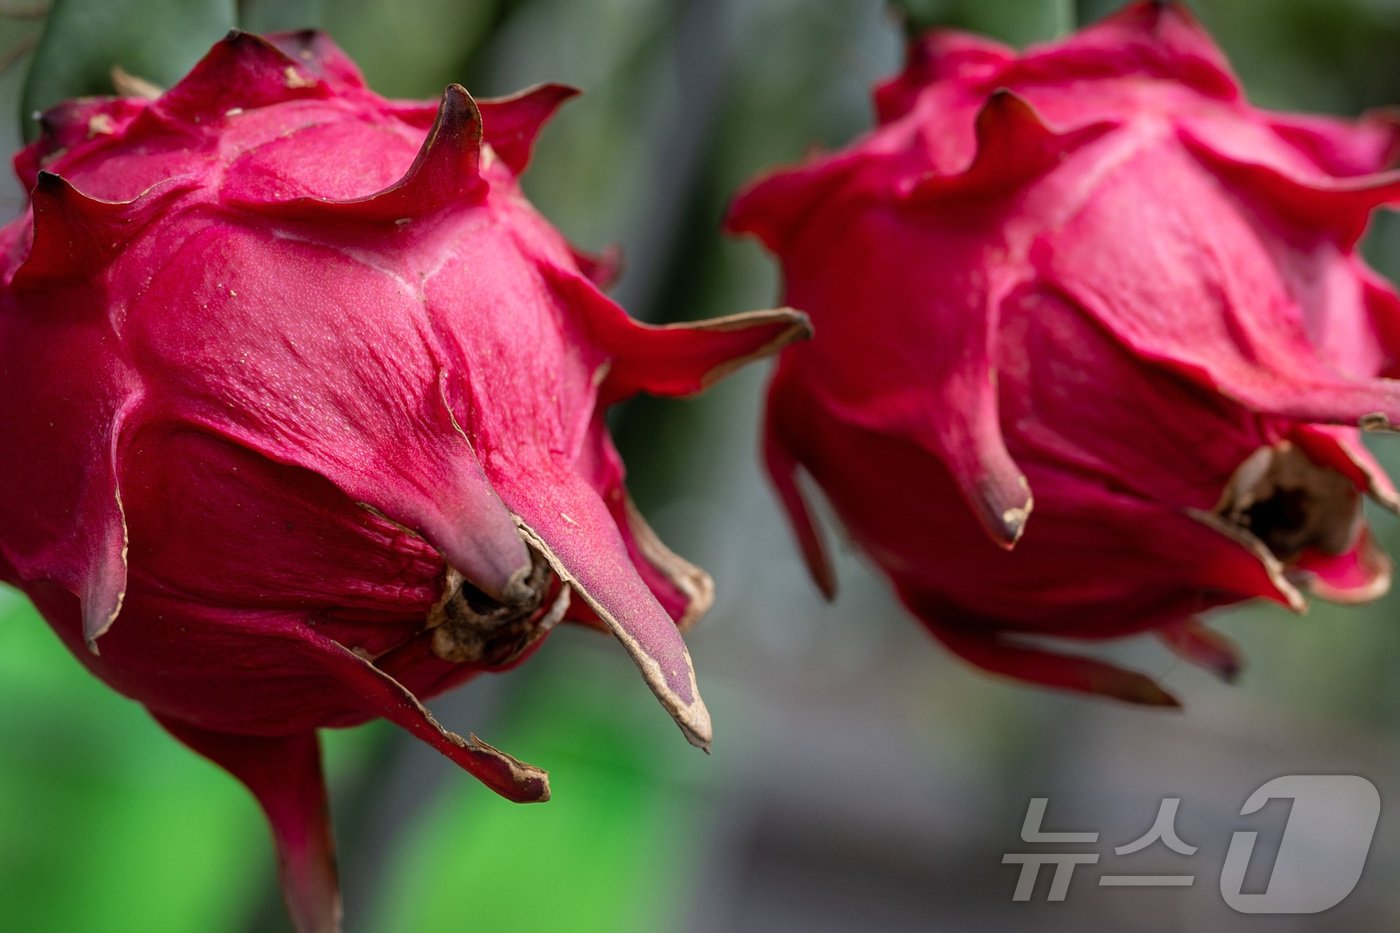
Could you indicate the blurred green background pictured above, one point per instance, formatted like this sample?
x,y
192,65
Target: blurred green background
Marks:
x,y
861,779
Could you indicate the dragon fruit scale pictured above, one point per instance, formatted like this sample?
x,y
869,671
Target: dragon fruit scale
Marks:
x,y
1095,274
305,405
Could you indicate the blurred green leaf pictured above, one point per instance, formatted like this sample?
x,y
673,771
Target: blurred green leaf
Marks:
x,y
1017,22
613,852
410,49
107,823
158,40
280,15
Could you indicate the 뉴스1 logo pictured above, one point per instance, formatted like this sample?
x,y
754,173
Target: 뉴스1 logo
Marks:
x,y
1332,822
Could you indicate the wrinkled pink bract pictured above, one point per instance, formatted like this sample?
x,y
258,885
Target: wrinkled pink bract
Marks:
x,y
1095,274
305,410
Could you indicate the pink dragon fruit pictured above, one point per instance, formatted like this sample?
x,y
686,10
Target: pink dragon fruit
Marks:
x,y
306,419
1095,272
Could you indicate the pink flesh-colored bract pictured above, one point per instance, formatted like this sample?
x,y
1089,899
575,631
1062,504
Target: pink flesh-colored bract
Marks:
x,y
305,413
1092,272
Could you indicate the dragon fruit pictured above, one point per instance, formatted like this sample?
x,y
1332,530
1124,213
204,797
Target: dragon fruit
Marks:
x,y
305,405
1092,272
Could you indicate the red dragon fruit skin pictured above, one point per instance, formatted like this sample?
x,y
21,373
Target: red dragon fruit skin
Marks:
x,y
1092,272
306,412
